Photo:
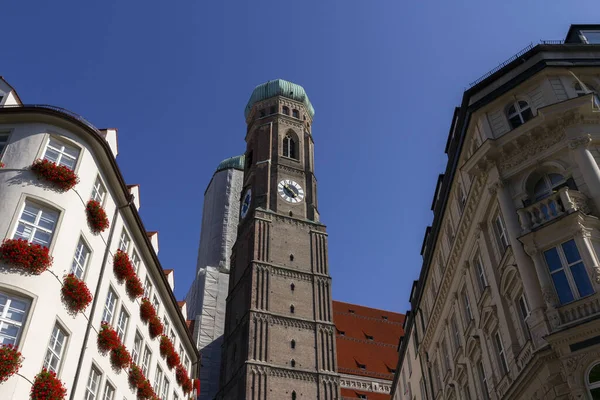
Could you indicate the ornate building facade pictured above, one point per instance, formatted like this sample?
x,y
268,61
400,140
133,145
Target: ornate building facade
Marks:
x,y
507,305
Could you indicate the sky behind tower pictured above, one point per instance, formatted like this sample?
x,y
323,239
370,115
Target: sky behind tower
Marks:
x,y
383,76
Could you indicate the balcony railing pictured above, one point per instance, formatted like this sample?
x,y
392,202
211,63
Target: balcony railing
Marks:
x,y
579,309
564,201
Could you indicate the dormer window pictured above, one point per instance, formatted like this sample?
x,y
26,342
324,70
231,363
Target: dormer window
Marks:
x,y
519,113
361,366
296,114
285,110
369,337
289,147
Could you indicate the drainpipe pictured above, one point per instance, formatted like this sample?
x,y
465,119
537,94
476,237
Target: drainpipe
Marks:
x,y
96,293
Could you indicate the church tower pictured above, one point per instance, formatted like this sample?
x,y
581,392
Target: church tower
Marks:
x,y
279,340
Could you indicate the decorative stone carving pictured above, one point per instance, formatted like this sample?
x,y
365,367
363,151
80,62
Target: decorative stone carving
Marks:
x,y
531,149
584,141
549,296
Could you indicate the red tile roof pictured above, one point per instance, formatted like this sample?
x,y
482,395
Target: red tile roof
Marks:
x,y
167,271
353,394
181,303
151,233
367,340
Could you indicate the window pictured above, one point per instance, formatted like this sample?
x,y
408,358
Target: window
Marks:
x,y
124,241
36,224
480,272
93,384
187,363
581,90
135,260
593,381
293,344
292,286
292,309
546,185
3,139
294,395
285,110
362,396
146,360
158,377
175,396
500,233
13,312
445,355
369,337
167,324
109,306
570,278
289,147
55,350
122,324
523,313
61,153
98,191
296,114
449,236
361,366
467,306
172,336
416,341
80,260
519,113
293,363
181,351
462,198
590,37
109,392
455,333
147,288
483,380
500,352
137,348
165,389
155,303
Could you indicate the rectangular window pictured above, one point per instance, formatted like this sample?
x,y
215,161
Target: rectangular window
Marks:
x,y
109,392
61,153
109,306
158,377
569,275
3,139
122,324
409,362
13,312
483,381
137,348
467,306
135,261
55,350
167,324
445,355
146,360
500,352
147,288
36,224
99,191
480,272
523,314
80,260
155,303
172,336
124,241
93,384
164,393
500,233
455,333
187,363
591,37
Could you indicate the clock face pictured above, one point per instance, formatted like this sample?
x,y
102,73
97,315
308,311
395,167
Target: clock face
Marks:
x,y
246,203
290,191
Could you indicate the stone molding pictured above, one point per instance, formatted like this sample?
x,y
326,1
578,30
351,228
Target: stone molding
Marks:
x,y
285,271
584,141
290,322
292,170
365,383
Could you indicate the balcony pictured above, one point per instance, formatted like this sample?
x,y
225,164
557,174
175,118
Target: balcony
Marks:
x,y
579,309
562,202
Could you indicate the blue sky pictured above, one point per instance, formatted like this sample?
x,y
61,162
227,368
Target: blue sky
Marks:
x,y
383,76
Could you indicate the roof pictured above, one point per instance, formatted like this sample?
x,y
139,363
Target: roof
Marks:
x,y
181,304
279,87
353,394
236,162
151,233
190,325
355,324
11,88
167,271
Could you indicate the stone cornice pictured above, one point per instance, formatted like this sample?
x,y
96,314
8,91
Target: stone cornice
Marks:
x,y
284,372
286,271
286,319
364,383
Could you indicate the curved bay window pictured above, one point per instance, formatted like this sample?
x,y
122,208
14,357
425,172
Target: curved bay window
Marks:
x,y
289,147
518,113
593,382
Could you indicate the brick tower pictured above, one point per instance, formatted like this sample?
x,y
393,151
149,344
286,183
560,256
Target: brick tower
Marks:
x,y
279,340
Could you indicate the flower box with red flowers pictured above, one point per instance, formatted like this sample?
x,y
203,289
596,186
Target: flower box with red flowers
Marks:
x,y
155,327
59,176
47,386
147,310
120,358
75,294
134,287
166,346
31,258
181,375
10,361
135,377
122,266
2,165
173,360
108,338
187,386
145,391
96,217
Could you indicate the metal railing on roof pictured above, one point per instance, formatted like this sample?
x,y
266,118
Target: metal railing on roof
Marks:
x,y
61,110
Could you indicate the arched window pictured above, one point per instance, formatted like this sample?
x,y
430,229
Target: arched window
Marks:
x,y
296,114
293,395
293,363
593,381
293,344
292,286
289,147
292,309
546,185
519,113
581,91
285,110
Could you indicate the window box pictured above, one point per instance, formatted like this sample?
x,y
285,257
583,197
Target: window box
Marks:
x,y
122,266
182,378
96,217
134,287
166,346
147,310
47,386
108,339
145,391
60,177
136,377
155,327
10,361
30,258
75,294
120,358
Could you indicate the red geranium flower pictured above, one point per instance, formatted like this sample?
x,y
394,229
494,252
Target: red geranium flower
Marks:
x,y
136,376
10,361
120,357
2,165
107,338
181,375
31,258
147,310
173,360
96,217
155,327
122,266
145,391
187,386
61,177
47,387
75,294
166,346
134,287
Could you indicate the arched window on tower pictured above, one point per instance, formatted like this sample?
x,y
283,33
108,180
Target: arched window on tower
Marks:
x,y
518,113
293,344
293,363
289,147
292,309
296,114
294,395
285,110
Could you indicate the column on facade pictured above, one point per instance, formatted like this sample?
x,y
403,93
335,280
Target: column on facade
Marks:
x,y
588,254
587,166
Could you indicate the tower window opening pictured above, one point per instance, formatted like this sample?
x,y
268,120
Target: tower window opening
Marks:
x,y
263,113
291,257
289,147
518,113
293,344
292,309
296,114
249,160
285,110
292,286
272,110
293,395
293,363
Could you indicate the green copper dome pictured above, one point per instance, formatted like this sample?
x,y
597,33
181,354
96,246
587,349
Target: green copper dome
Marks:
x,y
279,87
232,162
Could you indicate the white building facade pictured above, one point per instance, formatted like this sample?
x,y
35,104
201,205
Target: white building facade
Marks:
x,y
507,303
32,314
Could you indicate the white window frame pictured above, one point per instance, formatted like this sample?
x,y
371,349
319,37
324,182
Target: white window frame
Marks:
x,y
524,312
480,271
81,258
148,288
135,260
99,191
156,303
122,324
136,352
56,348
146,360
40,211
6,321
158,377
124,241
60,146
500,352
110,306
483,380
500,233
92,386
166,385
187,363
109,391
566,267
4,136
